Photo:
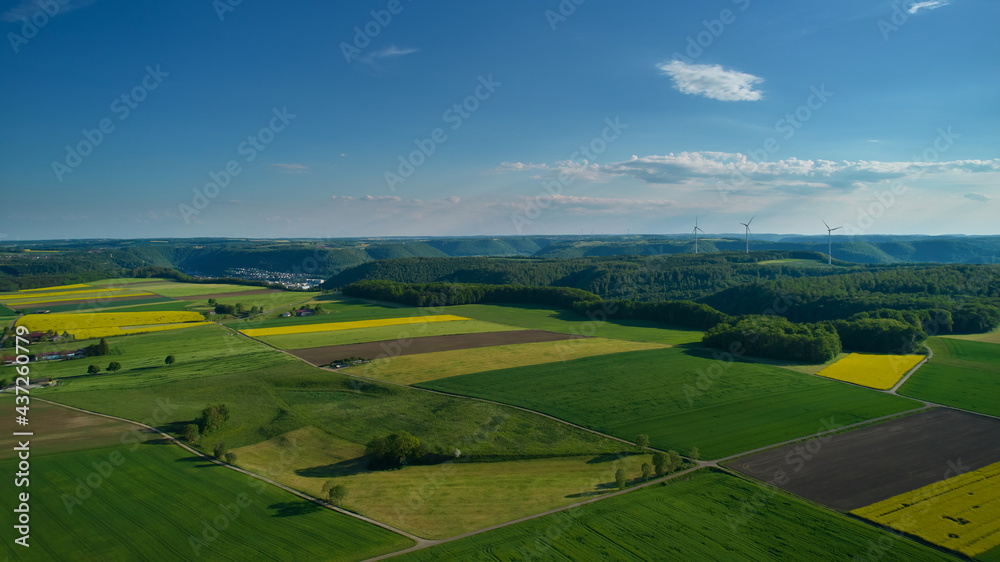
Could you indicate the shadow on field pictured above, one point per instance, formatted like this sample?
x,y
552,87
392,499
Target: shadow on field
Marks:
x,y
195,459
586,494
342,468
291,509
610,457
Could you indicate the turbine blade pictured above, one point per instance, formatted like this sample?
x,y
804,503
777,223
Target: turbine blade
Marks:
x,y
838,228
826,225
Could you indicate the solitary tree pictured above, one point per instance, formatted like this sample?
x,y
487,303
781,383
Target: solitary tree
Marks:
x,y
231,458
93,370
675,460
620,478
647,471
114,366
212,418
169,360
334,492
694,454
660,463
103,347
212,302
318,309
191,433
219,450
642,442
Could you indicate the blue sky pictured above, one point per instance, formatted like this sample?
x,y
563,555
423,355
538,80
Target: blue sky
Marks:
x,y
334,119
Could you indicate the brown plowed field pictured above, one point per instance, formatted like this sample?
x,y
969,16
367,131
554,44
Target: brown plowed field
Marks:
x,y
392,348
861,467
224,295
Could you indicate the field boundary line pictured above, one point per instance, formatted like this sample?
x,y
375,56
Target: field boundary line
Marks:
x,y
213,460
928,357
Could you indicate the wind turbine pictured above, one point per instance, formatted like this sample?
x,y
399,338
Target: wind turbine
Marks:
x,y
747,224
829,234
696,231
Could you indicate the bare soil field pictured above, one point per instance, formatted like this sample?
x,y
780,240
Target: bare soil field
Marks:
x,y
225,295
373,350
855,469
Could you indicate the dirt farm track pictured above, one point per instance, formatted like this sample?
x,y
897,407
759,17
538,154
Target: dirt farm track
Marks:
x,y
858,468
374,350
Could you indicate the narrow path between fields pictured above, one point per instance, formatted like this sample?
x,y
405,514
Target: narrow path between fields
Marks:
x,y
214,460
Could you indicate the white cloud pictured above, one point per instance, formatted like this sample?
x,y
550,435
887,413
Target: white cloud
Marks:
x,y
28,8
388,52
975,196
519,167
928,5
735,170
291,168
380,198
712,81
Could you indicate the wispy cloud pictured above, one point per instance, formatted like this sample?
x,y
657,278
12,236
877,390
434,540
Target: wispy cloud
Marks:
x,y
518,167
28,8
291,168
928,5
712,81
975,196
388,52
713,168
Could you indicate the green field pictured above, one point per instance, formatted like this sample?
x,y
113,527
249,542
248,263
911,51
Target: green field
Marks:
x,y
338,308
964,374
101,306
201,351
563,321
158,497
139,307
180,289
454,497
381,333
992,337
424,367
709,516
657,392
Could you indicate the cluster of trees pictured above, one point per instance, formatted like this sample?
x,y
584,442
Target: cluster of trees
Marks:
x,y
237,309
775,337
393,451
99,349
678,313
209,421
446,294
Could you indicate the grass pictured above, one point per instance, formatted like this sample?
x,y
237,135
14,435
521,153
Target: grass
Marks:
x,y
154,303
991,337
59,430
680,398
964,374
961,513
338,309
435,501
425,367
349,325
543,318
877,371
709,516
363,335
203,351
143,306
159,497
180,289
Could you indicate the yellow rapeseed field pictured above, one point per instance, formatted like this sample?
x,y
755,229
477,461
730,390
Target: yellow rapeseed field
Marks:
x,y
961,513
110,331
331,326
871,370
59,288
37,295
102,324
70,297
